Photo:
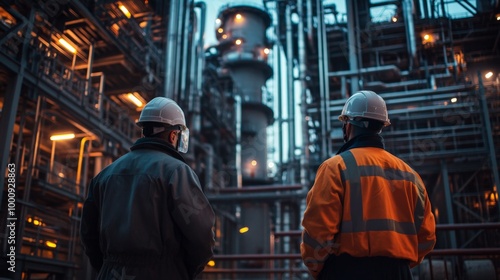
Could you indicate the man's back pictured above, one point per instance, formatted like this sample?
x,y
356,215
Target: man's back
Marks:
x,y
151,223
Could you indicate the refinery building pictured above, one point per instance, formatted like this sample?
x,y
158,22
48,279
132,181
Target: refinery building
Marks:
x,y
262,102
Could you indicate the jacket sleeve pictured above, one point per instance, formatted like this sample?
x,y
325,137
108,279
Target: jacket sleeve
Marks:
x,y
322,218
89,230
427,232
194,217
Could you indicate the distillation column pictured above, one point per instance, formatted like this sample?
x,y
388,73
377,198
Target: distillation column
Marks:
x,y
243,47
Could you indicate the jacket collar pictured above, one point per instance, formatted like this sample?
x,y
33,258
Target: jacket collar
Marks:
x,y
363,140
151,143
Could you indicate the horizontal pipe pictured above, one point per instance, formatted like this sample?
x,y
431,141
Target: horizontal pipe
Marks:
x,y
257,257
468,226
231,198
247,271
438,227
263,188
465,252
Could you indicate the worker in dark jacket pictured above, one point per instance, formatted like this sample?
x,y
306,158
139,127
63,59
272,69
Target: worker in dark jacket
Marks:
x,y
368,215
146,216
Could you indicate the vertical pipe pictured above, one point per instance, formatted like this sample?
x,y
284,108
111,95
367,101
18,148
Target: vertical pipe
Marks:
x,y
198,69
323,81
291,91
171,46
489,136
303,87
187,40
239,179
352,44
448,202
210,166
278,51
88,77
34,147
408,11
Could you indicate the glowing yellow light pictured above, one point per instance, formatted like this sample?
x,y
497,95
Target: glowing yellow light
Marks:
x,y
266,51
498,17
30,220
488,75
238,42
253,162
238,16
394,19
67,45
220,30
224,36
50,244
134,99
62,136
454,99
36,222
244,229
427,36
211,263
125,11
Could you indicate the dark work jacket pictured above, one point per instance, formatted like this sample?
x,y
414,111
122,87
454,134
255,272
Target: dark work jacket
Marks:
x,y
146,217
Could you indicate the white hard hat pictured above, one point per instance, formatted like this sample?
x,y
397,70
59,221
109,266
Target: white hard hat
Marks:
x,y
365,104
162,110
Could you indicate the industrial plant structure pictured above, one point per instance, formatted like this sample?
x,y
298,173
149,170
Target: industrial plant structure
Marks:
x,y
262,104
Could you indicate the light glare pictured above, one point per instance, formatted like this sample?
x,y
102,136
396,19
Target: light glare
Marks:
x,y
125,11
62,136
134,100
67,45
244,229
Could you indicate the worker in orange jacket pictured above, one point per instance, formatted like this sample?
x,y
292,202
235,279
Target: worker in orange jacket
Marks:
x,y
368,215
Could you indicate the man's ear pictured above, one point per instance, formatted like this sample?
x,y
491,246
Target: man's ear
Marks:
x,y
171,136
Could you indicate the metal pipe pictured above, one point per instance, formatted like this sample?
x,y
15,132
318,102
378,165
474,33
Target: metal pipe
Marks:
x,y
262,189
352,45
260,197
101,92
239,177
304,157
291,91
324,89
310,27
198,70
88,76
489,136
408,12
187,35
209,165
448,201
256,257
171,50
80,161
34,148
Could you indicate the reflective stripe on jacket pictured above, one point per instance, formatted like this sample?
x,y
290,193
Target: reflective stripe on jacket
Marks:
x,y
366,202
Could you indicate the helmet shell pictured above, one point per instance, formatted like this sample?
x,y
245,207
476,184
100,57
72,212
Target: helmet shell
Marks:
x,y
365,104
162,110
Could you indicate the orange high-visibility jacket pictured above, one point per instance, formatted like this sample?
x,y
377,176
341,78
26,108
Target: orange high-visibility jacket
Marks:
x,y
366,202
